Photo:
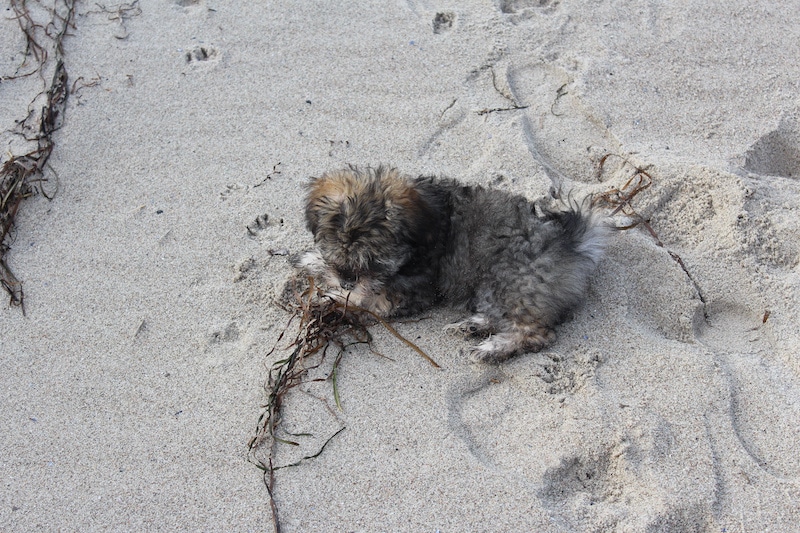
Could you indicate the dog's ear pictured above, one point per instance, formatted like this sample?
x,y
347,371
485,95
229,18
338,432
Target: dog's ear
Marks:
x,y
327,193
322,194
420,213
312,209
431,212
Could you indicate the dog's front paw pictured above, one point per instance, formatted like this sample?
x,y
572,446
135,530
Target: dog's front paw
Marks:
x,y
310,261
473,326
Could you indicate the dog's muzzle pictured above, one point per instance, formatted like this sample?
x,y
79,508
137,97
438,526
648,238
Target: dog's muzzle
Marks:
x,y
348,280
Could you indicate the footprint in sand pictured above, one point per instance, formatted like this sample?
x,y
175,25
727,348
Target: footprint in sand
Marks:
x,y
227,342
778,152
765,404
529,118
766,226
443,22
228,333
524,8
595,492
595,473
202,54
561,132
652,291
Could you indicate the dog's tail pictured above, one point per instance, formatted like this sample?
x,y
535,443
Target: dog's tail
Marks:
x,y
585,225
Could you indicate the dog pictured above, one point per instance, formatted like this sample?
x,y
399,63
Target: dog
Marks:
x,y
397,245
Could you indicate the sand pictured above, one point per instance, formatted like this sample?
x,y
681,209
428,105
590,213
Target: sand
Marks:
x,y
671,400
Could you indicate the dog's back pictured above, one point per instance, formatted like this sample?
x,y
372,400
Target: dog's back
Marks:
x,y
503,250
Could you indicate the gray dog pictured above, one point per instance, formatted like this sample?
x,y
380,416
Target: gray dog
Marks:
x,y
396,245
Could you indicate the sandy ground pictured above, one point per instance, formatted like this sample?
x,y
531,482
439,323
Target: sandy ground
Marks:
x,y
132,386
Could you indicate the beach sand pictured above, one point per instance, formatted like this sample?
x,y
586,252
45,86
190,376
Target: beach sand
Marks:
x,y
670,402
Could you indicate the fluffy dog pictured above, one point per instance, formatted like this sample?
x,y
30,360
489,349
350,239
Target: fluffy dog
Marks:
x,y
396,245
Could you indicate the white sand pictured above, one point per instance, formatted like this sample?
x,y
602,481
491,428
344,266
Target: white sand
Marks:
x,y
131,388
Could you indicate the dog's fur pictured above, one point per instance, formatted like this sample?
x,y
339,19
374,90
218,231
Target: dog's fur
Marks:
x,y
396,245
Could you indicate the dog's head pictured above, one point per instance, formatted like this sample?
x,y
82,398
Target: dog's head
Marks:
x,y
367,224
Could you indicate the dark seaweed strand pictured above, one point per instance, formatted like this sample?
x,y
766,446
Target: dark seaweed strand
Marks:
x,y
322,322
22,176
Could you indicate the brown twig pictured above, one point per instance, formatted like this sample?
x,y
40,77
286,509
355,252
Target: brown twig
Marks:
x,y
394,332
119,13
82,83
620,198
500,109
269,175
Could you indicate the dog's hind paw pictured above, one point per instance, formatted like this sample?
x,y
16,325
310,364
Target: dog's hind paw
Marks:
x,y
495,349
501,347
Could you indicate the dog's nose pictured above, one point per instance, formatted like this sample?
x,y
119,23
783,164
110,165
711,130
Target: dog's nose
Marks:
x,y
348,284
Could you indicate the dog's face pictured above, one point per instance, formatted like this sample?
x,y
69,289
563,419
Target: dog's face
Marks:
x,y
364,223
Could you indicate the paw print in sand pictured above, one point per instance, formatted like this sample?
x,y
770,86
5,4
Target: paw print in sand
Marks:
x,y
202,54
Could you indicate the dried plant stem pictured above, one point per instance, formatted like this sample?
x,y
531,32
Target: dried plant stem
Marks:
x,y
394,332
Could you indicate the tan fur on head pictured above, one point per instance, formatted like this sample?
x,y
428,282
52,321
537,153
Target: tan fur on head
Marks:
x,y
332,189
361,220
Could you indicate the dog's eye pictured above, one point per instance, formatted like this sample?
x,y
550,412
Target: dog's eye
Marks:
x,y
354,235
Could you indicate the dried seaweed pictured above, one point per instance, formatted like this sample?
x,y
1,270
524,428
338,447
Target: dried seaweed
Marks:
x,y
23,176
323,323
620,200
119,13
